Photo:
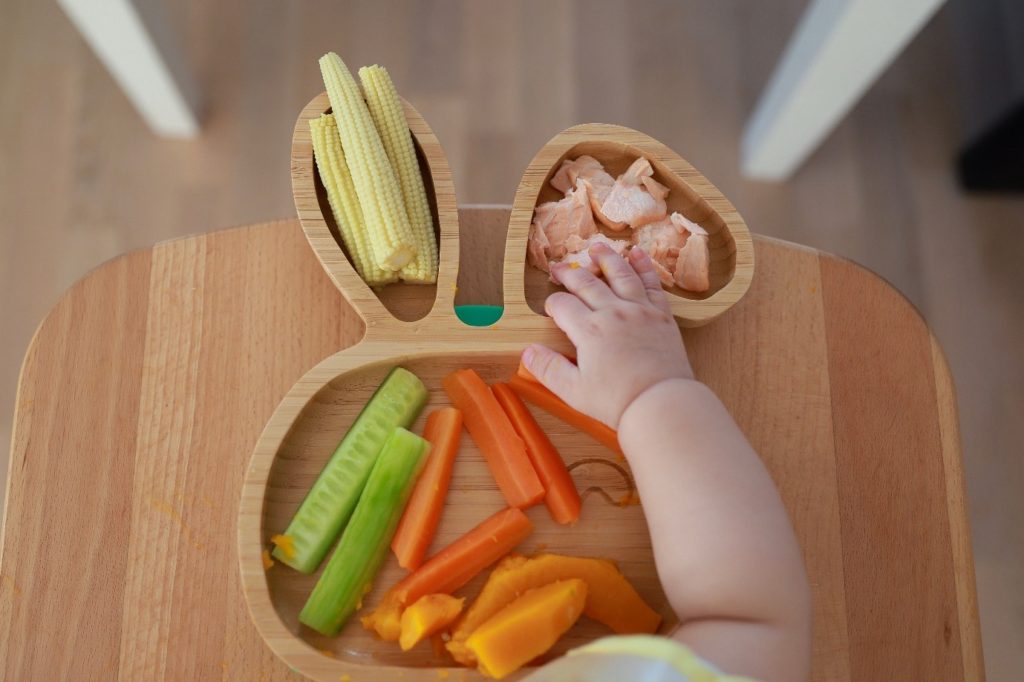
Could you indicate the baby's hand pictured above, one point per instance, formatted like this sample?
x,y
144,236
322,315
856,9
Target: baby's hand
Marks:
x,y
626,339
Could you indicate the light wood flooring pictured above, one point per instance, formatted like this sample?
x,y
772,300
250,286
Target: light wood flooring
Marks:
x,y
82,179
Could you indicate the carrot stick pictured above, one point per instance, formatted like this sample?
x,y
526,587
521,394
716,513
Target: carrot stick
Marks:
x,y
532,391
561,497
423,511
459,562
451,568
493,432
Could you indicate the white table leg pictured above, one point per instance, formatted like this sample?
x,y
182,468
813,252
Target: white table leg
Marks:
x,y
838,50
137,45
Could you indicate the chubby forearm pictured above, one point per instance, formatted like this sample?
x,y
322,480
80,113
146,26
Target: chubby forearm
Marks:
x,y
725,549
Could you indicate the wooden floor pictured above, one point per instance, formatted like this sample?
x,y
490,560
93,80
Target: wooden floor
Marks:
x,y
82,180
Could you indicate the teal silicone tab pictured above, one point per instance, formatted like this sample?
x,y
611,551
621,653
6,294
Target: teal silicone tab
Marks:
x,y
479,315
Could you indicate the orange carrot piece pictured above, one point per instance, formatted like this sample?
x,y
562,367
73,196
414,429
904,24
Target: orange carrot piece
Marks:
x,y
561,496
423,512
532,391
493,433
451,568
459,562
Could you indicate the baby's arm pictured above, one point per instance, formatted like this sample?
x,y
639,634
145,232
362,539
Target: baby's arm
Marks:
x,y
724,547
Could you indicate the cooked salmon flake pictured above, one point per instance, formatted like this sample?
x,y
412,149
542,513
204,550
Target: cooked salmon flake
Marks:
x,y
554,222
635,199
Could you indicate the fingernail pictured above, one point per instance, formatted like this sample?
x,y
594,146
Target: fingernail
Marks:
x,y
528,355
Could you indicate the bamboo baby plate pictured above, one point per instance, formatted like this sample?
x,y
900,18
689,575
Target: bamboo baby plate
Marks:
x,y
417,327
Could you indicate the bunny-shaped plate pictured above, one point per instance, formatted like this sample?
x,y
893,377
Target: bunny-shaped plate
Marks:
x,y
416,327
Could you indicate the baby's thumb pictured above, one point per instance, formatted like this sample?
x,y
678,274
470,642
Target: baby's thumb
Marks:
x,y
553,370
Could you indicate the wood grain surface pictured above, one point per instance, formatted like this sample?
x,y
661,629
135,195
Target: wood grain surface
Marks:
x,y
147,386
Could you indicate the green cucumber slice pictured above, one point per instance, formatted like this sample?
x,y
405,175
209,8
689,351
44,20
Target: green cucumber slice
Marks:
x,y
329,503
365,542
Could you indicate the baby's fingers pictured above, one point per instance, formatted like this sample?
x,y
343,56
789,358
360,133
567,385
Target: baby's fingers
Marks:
x,y
585,285
553,370
569,313
621,277
641,262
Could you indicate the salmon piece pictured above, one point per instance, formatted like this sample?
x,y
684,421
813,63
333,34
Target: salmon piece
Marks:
x,y
694,262
598,191
591,172
576,244
585,167
537,248
662,241
554,222
635,198
579,251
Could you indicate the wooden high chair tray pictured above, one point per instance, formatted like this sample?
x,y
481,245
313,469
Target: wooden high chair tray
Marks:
x,y
145,389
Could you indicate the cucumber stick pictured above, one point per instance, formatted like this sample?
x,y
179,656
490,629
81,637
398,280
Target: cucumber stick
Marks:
x,y
365,542
329,503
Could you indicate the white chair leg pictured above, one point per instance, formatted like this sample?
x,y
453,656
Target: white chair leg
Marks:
x,y
137,45
836,53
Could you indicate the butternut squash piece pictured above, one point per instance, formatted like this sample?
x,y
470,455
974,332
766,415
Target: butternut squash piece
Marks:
x,y
611,600
386,619
527,627
429,614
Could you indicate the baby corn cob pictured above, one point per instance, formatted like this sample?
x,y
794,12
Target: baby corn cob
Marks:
x,y
380,196
341,194
388,116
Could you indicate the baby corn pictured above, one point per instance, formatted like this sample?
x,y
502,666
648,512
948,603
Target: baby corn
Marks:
x,y
341,194
389,117
380,197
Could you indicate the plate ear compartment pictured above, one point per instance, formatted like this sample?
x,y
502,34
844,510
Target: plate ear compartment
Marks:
x,y
690,193
393,302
